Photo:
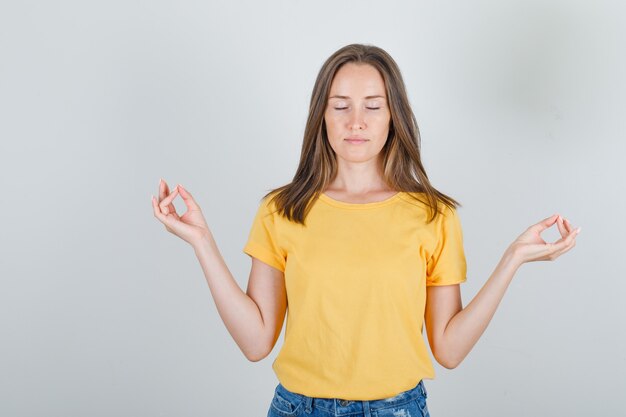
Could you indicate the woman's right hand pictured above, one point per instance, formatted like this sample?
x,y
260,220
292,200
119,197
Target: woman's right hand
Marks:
x,y
191,226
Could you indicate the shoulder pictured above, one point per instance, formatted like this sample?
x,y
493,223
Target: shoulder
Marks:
x,y
414,198
418,202
268,207
268,201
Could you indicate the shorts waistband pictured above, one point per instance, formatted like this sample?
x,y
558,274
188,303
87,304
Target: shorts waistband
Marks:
x,y
340,406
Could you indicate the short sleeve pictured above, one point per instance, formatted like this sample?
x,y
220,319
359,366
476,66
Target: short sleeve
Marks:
x,y
447,264
263,240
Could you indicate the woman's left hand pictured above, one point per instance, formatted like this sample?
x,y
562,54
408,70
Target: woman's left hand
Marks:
x,y
529,246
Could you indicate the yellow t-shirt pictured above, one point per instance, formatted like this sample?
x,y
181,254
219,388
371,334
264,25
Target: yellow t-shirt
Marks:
x,y
356,278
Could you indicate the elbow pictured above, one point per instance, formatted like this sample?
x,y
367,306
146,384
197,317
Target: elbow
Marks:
x,y
447,359
257,354
254,357
448,364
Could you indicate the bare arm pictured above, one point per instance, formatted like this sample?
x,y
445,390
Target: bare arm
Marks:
x,y
453,330
254,319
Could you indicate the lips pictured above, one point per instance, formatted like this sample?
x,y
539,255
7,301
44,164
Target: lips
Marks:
x,y
355,140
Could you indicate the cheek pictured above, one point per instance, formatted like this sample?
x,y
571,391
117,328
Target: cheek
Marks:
x,y
383,121
330,117
332,123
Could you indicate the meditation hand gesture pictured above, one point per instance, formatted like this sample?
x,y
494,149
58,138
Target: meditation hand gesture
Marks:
x,y
529,246
191,226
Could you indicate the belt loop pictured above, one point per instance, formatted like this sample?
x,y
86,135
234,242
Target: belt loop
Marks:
x,y
366,409
308,404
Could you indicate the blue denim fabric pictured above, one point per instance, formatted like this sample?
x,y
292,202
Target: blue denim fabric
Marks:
x,y
410,403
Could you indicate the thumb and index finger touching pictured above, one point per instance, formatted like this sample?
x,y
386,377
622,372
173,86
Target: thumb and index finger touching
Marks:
x,y
549,221
568,233
162,208
187,198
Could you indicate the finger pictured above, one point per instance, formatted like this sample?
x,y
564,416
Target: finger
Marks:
x,y
571,228
155,206
563,243
171,209
556,254
544,224
158,214
561,226
570,242
163,192
165,204
568,225
188,198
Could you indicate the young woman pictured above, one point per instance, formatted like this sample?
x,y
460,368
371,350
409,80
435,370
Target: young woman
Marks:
x,y
363,250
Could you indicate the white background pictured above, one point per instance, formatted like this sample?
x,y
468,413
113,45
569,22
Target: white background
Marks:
x,y
520,105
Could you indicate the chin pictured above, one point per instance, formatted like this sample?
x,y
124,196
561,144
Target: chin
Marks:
x,y
356,158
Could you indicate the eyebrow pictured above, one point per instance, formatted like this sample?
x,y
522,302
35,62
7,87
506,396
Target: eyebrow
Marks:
x,y
345,97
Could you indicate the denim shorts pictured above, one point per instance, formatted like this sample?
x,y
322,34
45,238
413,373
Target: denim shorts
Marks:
x,y
410,403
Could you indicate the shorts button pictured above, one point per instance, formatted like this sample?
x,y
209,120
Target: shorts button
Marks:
x,y
343,403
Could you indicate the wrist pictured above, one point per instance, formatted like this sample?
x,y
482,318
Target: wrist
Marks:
x,y
511,256
205,241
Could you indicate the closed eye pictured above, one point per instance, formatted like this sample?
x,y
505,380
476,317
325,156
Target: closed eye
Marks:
x,y
371,108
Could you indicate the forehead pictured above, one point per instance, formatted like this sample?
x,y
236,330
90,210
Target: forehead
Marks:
x,y
352,80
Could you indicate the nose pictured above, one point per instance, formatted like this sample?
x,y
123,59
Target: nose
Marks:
x,y
357,120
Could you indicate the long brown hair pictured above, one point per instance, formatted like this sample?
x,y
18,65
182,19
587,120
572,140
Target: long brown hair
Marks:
x,y
402,166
